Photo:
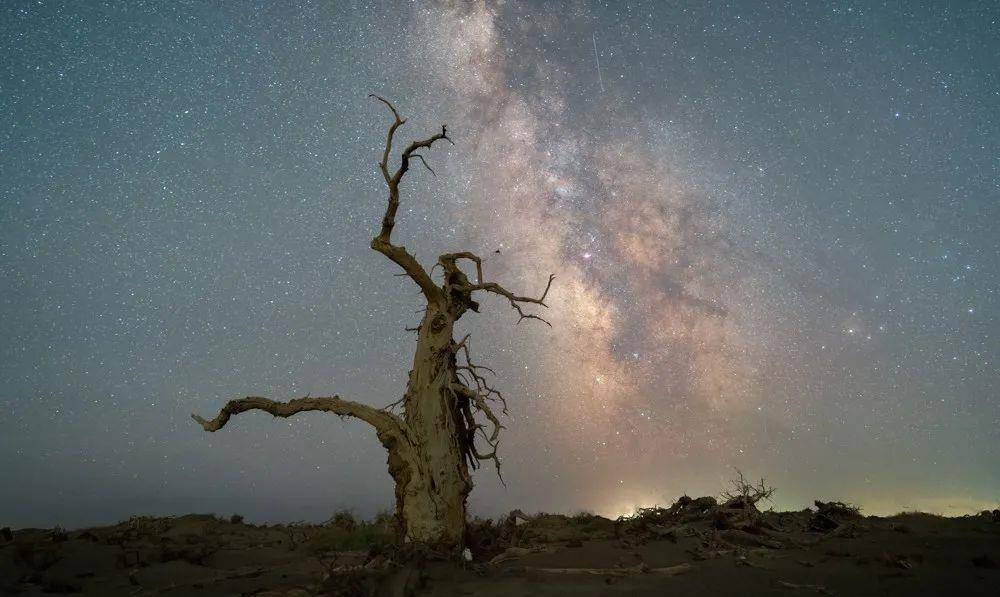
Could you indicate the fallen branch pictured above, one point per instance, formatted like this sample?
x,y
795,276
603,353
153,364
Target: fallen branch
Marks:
x,y
817,588
512,553
637,569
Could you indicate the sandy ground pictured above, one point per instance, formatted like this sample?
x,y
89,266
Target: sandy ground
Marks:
x,y
699,549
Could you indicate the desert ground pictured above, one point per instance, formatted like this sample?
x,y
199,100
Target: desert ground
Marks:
x,y
694,547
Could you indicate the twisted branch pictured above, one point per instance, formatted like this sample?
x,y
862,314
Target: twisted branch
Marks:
x,y
477,392
383,422
483,389
448,262
383,242
515,300
389,220
426,165
384,164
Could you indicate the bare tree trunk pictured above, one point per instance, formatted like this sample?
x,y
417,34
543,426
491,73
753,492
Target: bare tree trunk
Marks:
x,y
431,494
432,444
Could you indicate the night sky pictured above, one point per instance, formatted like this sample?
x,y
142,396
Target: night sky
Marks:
x,y
773,226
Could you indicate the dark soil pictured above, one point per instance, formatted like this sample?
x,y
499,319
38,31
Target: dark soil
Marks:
x,y
695,547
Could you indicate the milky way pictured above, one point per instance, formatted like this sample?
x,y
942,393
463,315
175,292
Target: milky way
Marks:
x,y
771,230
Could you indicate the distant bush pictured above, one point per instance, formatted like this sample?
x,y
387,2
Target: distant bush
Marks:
x,y
838,509
343,519
344,532
745,494
555,528
362,536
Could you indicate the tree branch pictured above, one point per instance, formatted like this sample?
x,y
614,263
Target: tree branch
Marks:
x,y
448,260
455,276
383,242
476,393
384,164
404,164
401,257
421,158
515,300
383,422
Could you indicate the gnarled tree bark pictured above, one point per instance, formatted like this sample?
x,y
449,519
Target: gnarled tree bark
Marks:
x,y
447,405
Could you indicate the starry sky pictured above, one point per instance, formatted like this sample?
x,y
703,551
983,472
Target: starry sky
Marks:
x,y
773,227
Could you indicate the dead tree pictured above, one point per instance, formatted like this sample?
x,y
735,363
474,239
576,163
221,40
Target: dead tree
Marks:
x,y
446,422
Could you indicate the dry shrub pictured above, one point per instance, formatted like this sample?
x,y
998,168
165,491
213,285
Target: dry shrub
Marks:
x,y
744,494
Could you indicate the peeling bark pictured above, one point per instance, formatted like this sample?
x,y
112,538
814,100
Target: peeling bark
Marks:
x,y
447,404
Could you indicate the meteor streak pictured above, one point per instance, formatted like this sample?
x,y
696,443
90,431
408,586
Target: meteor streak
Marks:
x,y
597,59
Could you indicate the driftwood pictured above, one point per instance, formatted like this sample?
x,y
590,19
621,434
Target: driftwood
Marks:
x,y
815,588
512,553
738,537
629,571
